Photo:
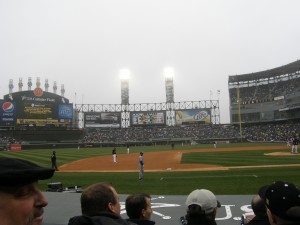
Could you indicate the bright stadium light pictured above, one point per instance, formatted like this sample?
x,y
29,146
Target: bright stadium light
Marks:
x,y
169,72
124,74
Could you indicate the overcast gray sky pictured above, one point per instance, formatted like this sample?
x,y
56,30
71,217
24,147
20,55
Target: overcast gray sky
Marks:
x,y
84,44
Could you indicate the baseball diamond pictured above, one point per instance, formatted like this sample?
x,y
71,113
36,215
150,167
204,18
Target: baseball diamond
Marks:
x,y
155,162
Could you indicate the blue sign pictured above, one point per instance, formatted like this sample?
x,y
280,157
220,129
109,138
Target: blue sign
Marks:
x,y
7,113
65,111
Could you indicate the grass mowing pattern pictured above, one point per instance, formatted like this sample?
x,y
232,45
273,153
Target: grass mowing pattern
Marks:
x,y
244,158
230,182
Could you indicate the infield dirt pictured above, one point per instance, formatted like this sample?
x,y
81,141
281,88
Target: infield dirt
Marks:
x,y
162,161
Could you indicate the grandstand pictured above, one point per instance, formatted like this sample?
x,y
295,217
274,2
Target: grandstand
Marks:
x,y
264,107
266,96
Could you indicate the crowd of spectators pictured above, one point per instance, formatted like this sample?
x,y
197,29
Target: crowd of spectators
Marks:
x,y
7,140
284,131
265,92
194,132
260,132
268,132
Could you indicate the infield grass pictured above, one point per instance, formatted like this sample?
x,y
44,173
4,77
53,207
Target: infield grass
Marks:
x,y
226,182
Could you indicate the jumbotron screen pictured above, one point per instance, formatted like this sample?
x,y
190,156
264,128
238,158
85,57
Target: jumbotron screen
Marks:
x,y
37,108
102,119
147,118
190,116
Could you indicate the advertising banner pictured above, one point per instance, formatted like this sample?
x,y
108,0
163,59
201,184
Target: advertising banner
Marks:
x,y
15,147
147,118
7,113
189,116
102,119
65,111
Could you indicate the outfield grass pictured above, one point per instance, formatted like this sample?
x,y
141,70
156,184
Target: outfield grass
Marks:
x,y
230,182
245,158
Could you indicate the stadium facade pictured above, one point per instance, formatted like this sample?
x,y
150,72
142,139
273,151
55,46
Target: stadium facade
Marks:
x,y
261,101
38,115
266,96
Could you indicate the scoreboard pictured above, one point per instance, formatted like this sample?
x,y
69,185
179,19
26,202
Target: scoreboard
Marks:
x,y
35,107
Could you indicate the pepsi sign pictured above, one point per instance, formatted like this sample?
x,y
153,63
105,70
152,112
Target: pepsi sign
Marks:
x,y
7,113
8,107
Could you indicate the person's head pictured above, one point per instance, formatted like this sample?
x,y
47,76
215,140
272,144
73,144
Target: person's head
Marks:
x,y
202,204
54,152
98,198
22,202
258,203
138,206
282,200
141,153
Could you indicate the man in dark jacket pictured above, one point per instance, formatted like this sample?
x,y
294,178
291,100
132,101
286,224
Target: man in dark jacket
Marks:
x,y
100,205
138,208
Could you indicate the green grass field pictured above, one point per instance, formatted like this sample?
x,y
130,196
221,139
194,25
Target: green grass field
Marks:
x,y
230,182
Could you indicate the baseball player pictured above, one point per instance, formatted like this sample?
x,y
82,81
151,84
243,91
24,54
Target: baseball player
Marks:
x,y
128,150
141,166
295,145
114,155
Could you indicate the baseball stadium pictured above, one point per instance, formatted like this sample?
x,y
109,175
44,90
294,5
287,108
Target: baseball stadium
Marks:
x,y
184,144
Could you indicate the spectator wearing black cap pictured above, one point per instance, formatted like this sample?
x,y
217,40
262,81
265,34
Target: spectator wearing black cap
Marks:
x,y
202,207
22,202
259,209
282,200
138,209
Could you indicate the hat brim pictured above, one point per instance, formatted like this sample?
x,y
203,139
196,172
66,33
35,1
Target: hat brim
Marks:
x,y
17,172
262,191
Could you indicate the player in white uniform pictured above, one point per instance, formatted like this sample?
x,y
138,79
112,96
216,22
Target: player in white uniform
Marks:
x,y
114,155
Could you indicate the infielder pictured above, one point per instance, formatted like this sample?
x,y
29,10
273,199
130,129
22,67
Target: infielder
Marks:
x,y
141,165
114,155
128,150
295,145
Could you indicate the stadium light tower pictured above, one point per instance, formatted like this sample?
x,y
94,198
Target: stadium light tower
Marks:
x,y
169,74
11,86
124,76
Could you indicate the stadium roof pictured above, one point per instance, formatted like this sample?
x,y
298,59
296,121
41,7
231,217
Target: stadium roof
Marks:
x,y
286,69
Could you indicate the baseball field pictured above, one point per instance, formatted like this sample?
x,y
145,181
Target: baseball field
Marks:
x,y
229,169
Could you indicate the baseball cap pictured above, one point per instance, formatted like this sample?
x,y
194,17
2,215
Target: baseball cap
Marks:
x,y
283,199
18,172
204,198
262,191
